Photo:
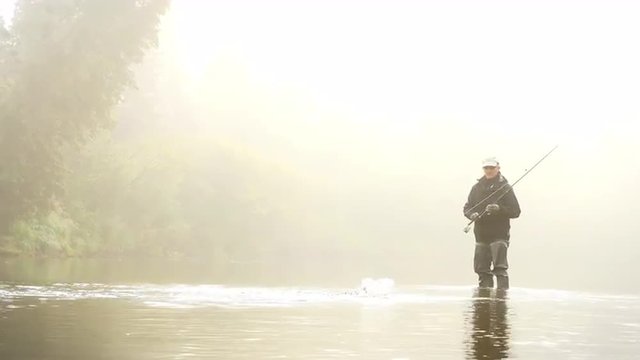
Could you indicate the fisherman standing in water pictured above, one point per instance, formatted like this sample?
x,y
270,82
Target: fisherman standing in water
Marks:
x,y
491,204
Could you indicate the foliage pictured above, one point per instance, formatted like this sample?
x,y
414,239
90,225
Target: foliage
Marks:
x,y
70,186
65,65
52,234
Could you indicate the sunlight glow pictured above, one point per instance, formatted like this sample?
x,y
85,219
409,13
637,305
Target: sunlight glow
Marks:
x,y
396,65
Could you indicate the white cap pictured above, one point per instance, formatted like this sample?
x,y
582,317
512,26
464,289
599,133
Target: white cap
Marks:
x,y
492,161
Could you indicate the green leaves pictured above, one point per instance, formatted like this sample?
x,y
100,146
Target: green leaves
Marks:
x,y
69,63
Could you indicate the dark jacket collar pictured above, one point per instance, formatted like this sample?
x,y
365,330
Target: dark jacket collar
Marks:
x,y
498,179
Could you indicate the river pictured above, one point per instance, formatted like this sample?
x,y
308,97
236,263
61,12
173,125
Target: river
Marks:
x,y
43,316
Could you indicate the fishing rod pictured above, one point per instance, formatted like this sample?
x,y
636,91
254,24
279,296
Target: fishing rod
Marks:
x,y
468,227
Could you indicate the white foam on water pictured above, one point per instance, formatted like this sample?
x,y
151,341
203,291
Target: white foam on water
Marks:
x,y
383,286
369,292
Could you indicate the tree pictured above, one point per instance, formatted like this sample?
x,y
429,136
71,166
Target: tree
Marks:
x,y
65,65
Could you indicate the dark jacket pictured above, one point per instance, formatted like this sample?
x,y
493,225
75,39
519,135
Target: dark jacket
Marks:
x,y
494,226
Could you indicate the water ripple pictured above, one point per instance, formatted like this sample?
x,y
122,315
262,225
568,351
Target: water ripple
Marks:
x,y
185,296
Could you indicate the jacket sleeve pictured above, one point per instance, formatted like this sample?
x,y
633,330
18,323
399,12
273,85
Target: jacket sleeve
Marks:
x,y
469,204
509,205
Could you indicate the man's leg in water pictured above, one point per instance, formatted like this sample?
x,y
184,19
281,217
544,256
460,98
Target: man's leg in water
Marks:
x,y
482,265
500,263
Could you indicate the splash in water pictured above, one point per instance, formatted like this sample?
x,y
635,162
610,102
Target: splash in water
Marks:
x,y
382,286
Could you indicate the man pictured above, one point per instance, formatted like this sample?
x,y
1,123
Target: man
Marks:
x,y
491,203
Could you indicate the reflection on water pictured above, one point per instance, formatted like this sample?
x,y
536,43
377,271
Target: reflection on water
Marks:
x,y
489,335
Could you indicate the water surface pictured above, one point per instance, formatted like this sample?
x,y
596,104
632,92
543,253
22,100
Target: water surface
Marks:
x,y
223,321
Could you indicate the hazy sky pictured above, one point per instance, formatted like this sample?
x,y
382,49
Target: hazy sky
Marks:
x,y
413,94
504,78
525,66
408,96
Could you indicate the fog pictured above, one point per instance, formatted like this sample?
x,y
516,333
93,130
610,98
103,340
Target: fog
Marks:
x,y
379,113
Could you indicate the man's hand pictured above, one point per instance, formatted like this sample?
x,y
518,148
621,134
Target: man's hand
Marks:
x,y
491,208
474,216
